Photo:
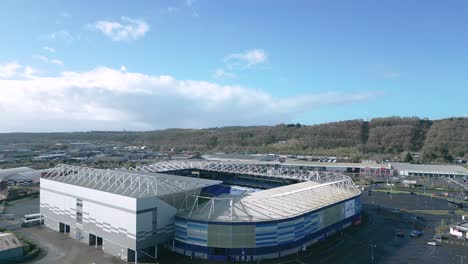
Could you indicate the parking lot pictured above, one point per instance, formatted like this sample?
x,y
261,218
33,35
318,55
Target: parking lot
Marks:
x,y
14,212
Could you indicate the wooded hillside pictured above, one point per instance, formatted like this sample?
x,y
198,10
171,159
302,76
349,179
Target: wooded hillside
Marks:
x,y
437,140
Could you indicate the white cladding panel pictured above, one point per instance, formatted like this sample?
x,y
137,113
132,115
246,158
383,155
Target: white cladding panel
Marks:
x,y
100,209
116,218
121,201
60,204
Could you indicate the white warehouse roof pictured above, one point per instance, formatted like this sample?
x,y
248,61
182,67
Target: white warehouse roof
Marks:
x,y
9,172
429,168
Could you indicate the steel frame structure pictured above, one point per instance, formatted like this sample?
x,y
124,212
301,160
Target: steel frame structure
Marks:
x,y
127,183
244,168
330,188
326,188
275,207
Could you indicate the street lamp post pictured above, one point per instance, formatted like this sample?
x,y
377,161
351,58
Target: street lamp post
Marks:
x,y
372,250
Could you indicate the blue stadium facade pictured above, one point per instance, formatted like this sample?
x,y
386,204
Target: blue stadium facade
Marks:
x,y
250,241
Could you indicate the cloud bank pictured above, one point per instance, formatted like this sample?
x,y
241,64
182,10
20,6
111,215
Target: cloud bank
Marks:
x,y
49,60
114,99
125,30
246,59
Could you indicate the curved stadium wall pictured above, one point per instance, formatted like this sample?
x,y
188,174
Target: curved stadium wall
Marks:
x,y
249,241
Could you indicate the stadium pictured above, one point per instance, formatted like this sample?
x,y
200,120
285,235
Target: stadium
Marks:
x,y
210,210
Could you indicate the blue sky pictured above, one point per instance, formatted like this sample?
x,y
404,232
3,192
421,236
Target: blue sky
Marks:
x,y
142,65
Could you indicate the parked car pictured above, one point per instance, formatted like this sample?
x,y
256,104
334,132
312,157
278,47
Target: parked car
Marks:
x,y
416,233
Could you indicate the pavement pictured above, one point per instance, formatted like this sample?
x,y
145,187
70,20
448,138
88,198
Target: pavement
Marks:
x,y
60,248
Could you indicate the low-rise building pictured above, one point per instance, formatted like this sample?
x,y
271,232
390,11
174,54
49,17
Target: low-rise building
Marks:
x,y
11,249
459,230
429,170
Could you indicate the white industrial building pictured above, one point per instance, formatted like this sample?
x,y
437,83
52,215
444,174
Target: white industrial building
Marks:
x,y
125,213
429,170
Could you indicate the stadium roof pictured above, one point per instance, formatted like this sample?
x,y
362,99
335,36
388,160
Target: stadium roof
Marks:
x,y
425,168
273,204
132,184
260,169
316,190
271,160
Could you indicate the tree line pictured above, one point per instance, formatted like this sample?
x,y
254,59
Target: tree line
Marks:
x,y
436,140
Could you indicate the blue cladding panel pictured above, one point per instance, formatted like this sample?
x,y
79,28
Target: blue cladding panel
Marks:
x,y
266,234
286,231
270,234
197,234
271,237
181,230
267,249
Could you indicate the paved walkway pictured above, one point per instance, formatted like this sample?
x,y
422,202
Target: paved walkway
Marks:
x,y
64,250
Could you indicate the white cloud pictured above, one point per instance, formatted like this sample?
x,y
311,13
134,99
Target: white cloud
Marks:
x,y
189,2
114,99
49,49
9,69
220,74
15,70
61,35
29,71
49,60
126,29
246,59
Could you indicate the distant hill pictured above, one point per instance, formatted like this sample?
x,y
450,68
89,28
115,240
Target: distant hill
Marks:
x,y
439,140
